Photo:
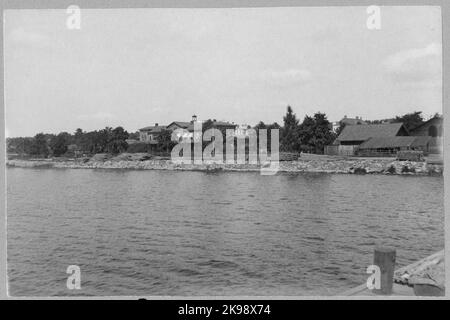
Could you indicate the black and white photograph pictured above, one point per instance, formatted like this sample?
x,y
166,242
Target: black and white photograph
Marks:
x,y
268,151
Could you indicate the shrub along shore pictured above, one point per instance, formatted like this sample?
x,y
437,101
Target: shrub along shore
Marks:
x,y
303,164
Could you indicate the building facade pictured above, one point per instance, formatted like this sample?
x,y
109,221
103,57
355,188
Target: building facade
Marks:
x,y
387,139
150,134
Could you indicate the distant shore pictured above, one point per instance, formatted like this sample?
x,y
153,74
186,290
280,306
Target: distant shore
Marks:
x,y
317,164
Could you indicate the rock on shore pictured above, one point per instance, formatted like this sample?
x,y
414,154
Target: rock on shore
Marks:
x,y
325,165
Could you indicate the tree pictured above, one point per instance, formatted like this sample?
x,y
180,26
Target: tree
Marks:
x,y
116,140
306,133
78,137
410,120
58,144
165,140
289,133
20,145
315,133
40,145
87,142
339,129
323,132
103,138
260,125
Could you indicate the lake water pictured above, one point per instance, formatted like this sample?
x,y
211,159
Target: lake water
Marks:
x,y
193,233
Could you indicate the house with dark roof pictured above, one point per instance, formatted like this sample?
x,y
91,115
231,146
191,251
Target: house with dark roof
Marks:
x,y
357,134
352,136
150,134
381,140
187,125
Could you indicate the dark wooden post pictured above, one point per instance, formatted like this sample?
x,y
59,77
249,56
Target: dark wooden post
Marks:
x,y
384,258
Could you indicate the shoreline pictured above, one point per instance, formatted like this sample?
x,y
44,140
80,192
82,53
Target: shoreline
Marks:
x,y
386,166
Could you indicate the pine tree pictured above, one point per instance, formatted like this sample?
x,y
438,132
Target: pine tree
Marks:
x,y
289,134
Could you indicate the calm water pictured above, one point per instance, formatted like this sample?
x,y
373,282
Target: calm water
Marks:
x,y
192,233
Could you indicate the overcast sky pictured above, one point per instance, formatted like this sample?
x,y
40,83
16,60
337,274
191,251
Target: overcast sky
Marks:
x,y
135,67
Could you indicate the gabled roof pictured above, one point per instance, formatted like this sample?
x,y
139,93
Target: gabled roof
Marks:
x,y
189,126
154,129
181,124
395,142
364,132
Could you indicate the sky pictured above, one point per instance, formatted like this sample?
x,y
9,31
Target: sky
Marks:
x,y
138,67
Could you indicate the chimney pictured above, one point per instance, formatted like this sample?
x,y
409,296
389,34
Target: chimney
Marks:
x,y
345,117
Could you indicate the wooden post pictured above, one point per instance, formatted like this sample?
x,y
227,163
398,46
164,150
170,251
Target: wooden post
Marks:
x,y
384,258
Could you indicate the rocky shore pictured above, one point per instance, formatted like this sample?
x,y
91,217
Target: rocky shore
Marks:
x,y
317,164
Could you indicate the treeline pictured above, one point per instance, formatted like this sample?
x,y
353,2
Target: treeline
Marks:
x,y
311,135
107,140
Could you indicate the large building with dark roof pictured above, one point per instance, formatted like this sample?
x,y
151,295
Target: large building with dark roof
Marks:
x,y
387,139
150,134
354,135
